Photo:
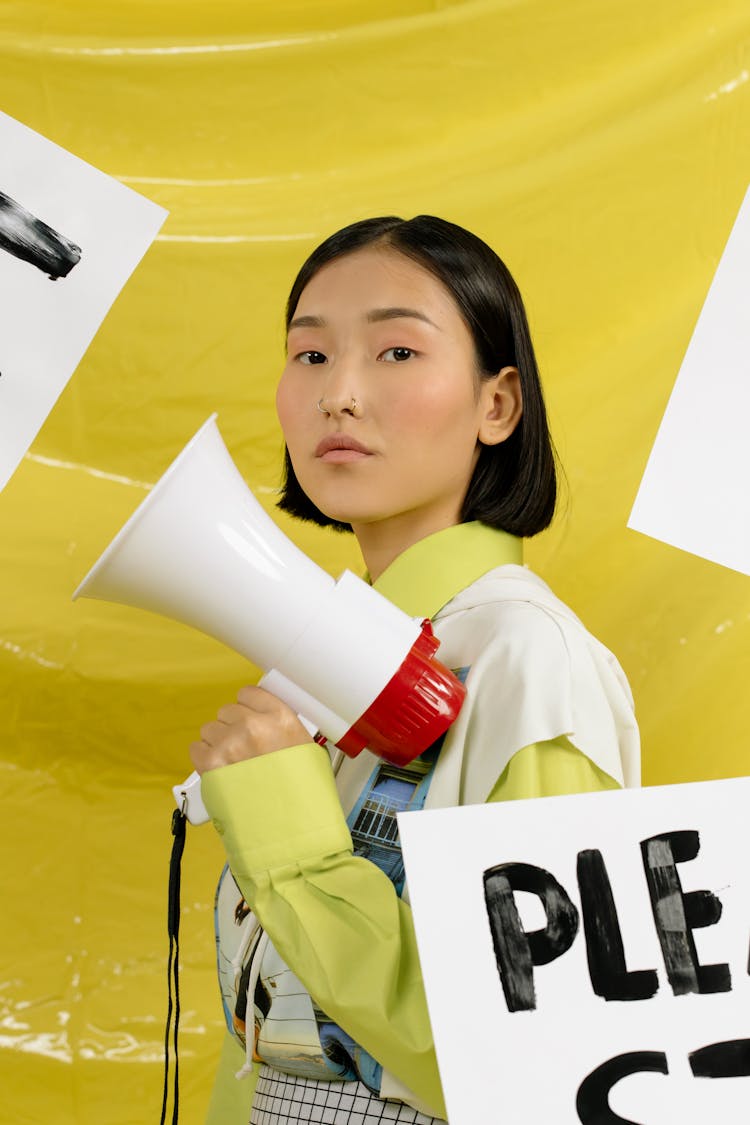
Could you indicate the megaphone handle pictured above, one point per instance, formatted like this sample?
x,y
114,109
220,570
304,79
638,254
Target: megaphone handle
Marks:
x,y
189,799
313,714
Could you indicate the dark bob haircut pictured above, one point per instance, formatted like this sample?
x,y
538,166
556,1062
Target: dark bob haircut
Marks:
x,y
514,485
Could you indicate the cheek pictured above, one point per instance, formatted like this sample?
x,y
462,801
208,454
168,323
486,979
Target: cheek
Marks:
x,y
289,405
437,407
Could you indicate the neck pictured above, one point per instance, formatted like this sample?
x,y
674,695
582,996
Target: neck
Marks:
x,y
383,541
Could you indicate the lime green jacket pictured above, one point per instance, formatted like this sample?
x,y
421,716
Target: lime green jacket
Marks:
x,y
335,918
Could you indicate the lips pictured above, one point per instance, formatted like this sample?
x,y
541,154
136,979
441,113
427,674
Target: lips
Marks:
x,y
340,448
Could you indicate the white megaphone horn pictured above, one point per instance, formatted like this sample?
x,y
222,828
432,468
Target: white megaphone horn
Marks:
x,y
200,549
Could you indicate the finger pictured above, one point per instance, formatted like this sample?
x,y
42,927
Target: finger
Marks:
x,y
201,756
232,713
258,699
213,732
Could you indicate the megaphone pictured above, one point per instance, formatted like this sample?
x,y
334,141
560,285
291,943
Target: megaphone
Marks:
x,y
201,550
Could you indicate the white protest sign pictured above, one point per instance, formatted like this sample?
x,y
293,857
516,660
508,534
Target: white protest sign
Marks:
x,y
694,493
586,958
70,237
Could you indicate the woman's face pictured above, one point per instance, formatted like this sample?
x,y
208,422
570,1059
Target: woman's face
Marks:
x,y
379,344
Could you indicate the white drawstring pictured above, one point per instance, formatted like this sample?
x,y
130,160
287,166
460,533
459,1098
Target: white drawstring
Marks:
x,y
258,955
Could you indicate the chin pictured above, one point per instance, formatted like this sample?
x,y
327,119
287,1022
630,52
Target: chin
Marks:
x,y
355,517
345,511
345,514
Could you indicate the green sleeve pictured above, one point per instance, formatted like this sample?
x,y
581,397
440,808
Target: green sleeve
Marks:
x,y
334,918
549,769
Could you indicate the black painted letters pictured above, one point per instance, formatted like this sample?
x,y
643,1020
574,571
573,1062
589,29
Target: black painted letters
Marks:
x,y
516,951
677,914
604,949
592,1102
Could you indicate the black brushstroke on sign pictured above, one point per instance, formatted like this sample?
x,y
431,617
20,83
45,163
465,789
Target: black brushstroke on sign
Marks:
x,y
26,237
592,1102
516,951
730,1059
677,914
605,952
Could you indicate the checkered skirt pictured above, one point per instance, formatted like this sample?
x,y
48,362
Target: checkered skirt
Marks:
x,y
283,1099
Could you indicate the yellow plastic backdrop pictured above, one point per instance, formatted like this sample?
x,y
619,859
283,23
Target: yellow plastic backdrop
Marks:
x,y
603,149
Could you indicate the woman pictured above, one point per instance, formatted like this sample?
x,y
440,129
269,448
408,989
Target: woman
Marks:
x,y
413,415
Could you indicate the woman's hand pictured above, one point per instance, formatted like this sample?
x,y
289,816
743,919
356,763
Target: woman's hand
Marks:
x,y
258,723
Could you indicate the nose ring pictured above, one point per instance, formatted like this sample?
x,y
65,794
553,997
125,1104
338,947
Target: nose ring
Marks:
x,y
352,408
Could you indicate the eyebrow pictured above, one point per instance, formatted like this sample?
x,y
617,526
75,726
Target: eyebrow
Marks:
x,y
306,322
374,316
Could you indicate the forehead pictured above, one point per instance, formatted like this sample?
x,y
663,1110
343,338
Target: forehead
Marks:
x,y
372,278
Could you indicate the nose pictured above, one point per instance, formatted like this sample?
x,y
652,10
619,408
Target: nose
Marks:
x,y
337,407
341,395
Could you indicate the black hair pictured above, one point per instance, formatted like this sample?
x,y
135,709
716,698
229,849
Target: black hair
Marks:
x,y
514,485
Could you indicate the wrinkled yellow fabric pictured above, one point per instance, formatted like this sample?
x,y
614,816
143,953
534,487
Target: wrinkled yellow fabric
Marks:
x,y
602,149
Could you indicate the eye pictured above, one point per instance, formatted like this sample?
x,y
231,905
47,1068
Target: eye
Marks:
x,y
397,355
310,357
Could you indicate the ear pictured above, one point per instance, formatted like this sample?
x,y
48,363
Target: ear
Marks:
x,y
501,406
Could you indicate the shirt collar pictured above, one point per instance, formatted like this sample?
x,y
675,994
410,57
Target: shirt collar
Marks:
x,y
429,573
